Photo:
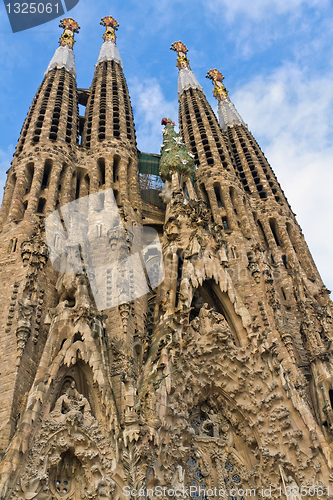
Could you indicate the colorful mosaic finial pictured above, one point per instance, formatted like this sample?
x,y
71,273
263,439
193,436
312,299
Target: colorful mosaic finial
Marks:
x,y
111,26
181,49
67,38
174,155
217,79
167,121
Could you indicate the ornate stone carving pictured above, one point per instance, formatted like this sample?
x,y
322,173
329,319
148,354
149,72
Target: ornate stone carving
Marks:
x,y
23,331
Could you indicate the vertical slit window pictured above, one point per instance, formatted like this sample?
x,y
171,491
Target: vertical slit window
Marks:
x,y
101,171
29,176
225,223
274,230
41,205
262,233
204,194
77,191
47,172
218,195
179,273
116,168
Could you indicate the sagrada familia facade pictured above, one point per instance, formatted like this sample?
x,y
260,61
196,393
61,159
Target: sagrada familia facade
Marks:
x,y
215,382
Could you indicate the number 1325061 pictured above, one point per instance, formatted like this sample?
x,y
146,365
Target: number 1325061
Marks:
x,y
32,8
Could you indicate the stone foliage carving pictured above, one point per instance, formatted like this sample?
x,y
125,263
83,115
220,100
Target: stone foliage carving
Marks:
x,y
71,457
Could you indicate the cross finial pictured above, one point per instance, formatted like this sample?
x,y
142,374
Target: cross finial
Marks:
x,y
70,27
217,79
181,49
111,26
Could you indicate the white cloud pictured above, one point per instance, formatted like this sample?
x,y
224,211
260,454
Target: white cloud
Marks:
x,y
290,114
149,107
260,9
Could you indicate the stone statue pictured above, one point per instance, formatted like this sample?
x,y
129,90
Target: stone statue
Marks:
x,y
105,488
72,400
26,309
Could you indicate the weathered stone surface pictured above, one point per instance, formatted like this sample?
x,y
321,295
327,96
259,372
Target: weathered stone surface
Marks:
x,y
222,375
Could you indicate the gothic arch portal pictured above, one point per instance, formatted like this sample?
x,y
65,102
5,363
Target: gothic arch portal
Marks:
x,y
220,452
210,293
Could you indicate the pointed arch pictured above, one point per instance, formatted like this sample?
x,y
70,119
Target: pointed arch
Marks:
x,y
73,443
209,292
79,376
220,455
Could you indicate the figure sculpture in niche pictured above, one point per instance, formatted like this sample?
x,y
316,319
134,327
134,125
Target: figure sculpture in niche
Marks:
x,y
72,400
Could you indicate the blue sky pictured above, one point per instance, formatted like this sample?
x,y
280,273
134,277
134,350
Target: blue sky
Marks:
x,y
277,59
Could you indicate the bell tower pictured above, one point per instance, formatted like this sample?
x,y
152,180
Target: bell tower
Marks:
x,y
108,132
61,354
43,162
258,179
44,153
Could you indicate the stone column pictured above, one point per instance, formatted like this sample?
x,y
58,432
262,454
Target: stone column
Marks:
x,y
53,188
133,182
109,163
35,189
239,205
229,208
213,204
7,197
16,211
66,186
123,181
276,252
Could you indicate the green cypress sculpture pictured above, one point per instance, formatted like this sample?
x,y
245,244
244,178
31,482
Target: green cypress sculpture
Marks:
x,y
174,155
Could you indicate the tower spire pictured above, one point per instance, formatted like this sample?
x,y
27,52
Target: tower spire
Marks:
x,y
186,77
64,55
109,50
227,113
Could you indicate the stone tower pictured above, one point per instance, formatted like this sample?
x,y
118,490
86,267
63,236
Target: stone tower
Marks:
x,y
193,363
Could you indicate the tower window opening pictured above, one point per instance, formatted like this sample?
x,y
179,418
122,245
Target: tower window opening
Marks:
x,y
47,172
330,393
232,194
12,245
283,293
87,182
262,233
218,196
77,189
41,205
179,274
225,223
274,230
180,268
101,170
204,194
116,168
29,176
